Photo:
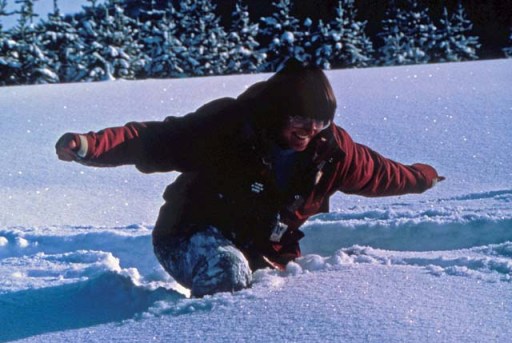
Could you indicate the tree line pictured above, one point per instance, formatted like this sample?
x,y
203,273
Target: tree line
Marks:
x,y
106,42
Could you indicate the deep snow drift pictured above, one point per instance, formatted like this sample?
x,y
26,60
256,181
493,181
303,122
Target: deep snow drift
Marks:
x,y
76,260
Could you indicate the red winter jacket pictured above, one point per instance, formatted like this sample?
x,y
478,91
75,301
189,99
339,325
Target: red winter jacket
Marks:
x,y
227,178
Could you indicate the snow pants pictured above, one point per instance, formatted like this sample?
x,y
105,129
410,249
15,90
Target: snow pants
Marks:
x,y
205,262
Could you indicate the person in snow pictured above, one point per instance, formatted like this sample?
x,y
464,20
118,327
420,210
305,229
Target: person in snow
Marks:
x,y
253,170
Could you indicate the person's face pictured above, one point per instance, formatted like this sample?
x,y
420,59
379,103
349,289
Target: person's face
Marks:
x,y
299,132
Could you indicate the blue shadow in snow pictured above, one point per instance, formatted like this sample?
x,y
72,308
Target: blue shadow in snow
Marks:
x,y
325,239
108,298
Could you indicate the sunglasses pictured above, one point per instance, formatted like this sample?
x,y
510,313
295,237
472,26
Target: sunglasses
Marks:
x,y
308,123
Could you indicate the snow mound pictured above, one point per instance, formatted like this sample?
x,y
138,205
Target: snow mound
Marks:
x,y
44,293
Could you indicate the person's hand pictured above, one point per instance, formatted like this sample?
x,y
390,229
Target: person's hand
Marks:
x,y
437,180
67,147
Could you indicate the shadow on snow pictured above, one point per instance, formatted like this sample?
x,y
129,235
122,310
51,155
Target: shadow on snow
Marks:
x,y
326,238
108,298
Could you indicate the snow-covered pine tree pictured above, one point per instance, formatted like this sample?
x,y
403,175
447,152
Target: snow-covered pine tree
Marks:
x,y
244,56
148,18
9,56
452,42
308,33
408,34
95,66
200,32
125,48
160,47
421,31
281,36
26,24
508,50
392,51
86,25
323,50
110,54
343,42
62,44
35,66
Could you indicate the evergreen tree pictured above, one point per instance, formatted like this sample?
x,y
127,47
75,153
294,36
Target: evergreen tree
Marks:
x,y
93,66
282,36
408,34
26,20
321,45
200,32
244,56
9,56
343,42
35,66
161,49
124,47
111,44
86,24
62,43
353,48
308,32
452,43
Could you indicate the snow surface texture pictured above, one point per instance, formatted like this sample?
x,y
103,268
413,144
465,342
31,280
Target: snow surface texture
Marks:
x,y
75,247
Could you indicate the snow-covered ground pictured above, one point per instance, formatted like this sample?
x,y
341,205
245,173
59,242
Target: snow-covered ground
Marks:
x,y
76,262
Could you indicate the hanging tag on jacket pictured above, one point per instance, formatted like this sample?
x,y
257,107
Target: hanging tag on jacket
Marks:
x,y
278,232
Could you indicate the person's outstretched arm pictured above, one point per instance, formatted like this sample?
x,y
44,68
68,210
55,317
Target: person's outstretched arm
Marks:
x,y
366,172
182,144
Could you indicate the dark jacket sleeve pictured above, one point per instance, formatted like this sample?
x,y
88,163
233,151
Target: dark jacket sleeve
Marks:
x,y
365,172
177,143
